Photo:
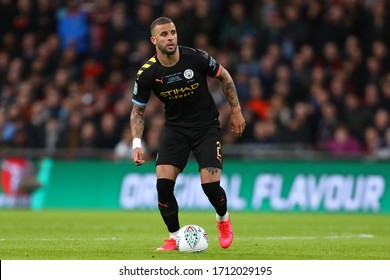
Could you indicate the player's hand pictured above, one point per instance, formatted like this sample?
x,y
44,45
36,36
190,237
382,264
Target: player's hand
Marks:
x,y
138,155
237,123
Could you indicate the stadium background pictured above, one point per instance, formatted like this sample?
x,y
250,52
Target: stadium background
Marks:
x,y
308,180
313,79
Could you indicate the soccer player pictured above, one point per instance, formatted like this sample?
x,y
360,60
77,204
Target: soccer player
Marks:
x,y
177,75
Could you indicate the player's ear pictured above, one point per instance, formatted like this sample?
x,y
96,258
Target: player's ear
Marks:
x,y
153,40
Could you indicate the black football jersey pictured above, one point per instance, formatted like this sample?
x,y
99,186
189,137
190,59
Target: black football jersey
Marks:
x,y
182,88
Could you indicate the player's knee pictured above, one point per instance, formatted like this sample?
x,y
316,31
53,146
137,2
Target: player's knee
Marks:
x,y
210,175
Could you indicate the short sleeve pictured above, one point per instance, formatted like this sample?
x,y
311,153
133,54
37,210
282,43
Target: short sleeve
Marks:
x,y
211,67
141,92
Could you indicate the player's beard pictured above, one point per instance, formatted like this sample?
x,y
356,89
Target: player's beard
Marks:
x,y
165,50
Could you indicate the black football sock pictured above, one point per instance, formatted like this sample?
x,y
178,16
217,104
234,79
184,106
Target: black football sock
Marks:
x,y
217,197
167,204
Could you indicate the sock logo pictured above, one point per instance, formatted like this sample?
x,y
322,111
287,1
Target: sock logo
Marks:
x,y
162,204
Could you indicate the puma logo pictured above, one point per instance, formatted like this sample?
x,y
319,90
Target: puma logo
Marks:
x,y
159,80
163,205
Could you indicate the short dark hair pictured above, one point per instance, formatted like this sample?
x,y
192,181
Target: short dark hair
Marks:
x,y
159,21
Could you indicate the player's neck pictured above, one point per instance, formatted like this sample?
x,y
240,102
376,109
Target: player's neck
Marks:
x,y
168,60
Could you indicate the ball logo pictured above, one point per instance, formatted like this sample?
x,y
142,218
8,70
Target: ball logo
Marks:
x,y
191,236
188,74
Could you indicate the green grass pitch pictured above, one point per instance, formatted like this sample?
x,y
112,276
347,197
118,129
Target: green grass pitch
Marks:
x,y
134,235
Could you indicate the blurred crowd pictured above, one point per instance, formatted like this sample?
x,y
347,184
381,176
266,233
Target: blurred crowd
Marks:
x,y
312,73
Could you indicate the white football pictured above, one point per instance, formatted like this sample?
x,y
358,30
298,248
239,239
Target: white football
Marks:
x,y
192,239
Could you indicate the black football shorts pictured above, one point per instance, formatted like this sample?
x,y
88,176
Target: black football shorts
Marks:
x,y
177,144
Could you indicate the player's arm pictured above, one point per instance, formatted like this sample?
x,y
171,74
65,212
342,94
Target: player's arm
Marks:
x,y
137,125
237,121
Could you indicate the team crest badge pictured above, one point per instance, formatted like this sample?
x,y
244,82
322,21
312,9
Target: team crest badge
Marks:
x,y
188,74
